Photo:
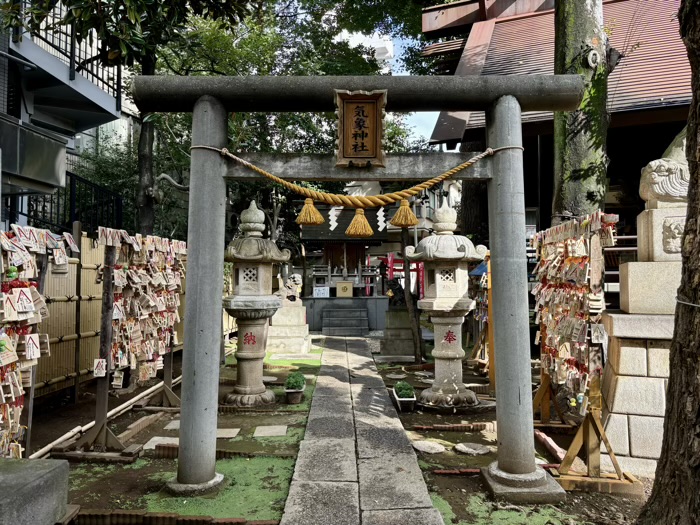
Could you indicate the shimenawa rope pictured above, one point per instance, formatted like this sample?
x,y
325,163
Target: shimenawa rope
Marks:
x,y
359,227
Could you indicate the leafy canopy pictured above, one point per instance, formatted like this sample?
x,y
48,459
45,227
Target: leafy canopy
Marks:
x,y
127,31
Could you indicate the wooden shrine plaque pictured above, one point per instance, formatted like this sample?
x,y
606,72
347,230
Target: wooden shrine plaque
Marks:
x,y
360,128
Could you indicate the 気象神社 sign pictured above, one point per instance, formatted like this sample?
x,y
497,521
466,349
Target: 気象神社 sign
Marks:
x,y
360,127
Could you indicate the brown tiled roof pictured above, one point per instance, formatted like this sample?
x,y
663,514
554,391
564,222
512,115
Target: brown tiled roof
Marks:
x,y
654,73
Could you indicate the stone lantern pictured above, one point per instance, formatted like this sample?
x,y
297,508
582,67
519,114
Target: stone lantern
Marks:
x,y
252,304
447,301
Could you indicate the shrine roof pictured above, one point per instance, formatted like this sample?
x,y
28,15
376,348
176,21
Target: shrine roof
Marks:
x,y
653,74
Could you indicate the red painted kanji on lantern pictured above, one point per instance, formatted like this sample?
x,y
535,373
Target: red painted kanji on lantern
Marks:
x,y
249,338
450,337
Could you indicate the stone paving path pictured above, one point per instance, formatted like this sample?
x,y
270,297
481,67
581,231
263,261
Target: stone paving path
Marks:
x,y
355,464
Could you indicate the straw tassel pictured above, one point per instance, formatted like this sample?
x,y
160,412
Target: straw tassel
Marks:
x,y
310,216
404,216
359,227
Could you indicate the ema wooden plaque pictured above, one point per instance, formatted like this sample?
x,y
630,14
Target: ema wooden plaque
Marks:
x,y
360,128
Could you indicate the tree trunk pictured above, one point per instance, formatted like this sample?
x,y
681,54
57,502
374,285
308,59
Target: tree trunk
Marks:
x,y
145,198
413,312
580,160
675,498
474,211
473,206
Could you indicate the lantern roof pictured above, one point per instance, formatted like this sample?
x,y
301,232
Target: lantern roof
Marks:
x,y
252,247
445,245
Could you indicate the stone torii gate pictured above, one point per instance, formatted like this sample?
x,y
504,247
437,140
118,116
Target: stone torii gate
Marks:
x,y
515,474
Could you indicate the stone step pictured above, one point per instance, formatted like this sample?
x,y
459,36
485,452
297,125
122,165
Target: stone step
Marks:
x,y
350,322
340,331
344,312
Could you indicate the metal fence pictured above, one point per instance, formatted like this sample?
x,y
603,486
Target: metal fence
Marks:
x,y
80,200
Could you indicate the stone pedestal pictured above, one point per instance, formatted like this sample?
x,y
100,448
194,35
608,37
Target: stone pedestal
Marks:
x,y
637,369
288,332
448,389
252,337
634,388
398,337
659,233
649,287
36,491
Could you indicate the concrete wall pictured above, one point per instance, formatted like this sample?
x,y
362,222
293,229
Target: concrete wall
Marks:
x,y
376,309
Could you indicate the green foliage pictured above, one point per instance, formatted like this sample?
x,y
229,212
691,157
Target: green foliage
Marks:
x,y
295,381
115,165
404,390
127,31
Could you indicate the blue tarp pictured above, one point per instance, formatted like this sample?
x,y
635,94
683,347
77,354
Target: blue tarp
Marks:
x,y
479,270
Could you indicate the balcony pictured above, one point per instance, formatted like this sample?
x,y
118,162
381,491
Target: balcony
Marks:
x,y
66,89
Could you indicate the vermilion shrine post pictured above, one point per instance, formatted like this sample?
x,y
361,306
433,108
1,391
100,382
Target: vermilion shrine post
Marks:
x,y
515,474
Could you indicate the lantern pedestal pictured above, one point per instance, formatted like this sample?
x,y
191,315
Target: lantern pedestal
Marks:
x,y
252,315
448,389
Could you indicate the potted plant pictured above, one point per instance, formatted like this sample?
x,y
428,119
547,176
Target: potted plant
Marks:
x,y
405,396
294,387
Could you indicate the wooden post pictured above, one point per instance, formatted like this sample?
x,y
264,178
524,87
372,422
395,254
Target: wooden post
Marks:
x,y
166,397
78,237
489,331
100,437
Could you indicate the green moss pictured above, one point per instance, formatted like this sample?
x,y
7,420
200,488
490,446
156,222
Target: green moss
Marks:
x,y
254,488
83,475
138,464
479,511
443,507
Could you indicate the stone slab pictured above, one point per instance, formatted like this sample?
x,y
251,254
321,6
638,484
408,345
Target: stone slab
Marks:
x,y
288,343
227,433
396,347
35,491
628,357
550,492
402,517
639,467
287,331
322,503
646,436
173,425
270,431
160,440
394,359
331,388
658,358
375,441
616,428
326,460
649,287
657,234
428,447
392,481
296,357
326,424
644,396
638,326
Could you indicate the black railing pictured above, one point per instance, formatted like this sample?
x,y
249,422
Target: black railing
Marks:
x,y
83,58
80,200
